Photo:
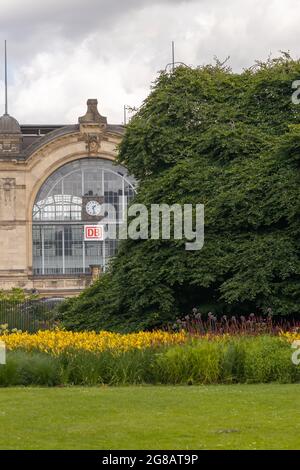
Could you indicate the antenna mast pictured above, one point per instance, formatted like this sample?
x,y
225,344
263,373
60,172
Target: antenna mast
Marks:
x,y
5,53
173,56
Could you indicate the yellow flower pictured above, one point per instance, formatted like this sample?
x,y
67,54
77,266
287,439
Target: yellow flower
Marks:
x,y
58,341
291,336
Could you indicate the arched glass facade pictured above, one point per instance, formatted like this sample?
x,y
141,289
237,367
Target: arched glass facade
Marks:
x,y
59,216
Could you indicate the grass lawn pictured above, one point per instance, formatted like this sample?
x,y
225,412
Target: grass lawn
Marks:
x,y
151,417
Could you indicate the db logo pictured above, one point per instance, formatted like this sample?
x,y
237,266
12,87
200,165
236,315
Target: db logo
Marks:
x,y
93,232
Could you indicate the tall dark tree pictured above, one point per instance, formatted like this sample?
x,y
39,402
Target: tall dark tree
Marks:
x,y
229,141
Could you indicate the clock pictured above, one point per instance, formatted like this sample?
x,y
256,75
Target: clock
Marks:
x,y
93,208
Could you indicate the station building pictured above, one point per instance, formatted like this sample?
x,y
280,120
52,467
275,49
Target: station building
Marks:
x,y
53,180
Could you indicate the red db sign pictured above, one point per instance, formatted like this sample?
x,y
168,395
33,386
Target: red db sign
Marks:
x,y
93,232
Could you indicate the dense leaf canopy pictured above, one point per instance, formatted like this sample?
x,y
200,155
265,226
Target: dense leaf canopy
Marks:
x,y
232,142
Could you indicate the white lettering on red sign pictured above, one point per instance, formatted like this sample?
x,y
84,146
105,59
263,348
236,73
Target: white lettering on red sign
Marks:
x,y
93,232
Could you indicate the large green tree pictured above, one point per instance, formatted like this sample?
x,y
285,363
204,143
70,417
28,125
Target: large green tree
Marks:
x,y
232,142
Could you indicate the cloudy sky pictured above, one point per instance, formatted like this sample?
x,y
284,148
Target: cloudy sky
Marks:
x,y
62,52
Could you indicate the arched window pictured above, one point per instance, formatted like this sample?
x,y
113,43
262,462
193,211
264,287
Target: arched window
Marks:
x,y
59,216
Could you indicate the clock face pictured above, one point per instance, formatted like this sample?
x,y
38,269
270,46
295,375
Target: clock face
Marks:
x,y
93,208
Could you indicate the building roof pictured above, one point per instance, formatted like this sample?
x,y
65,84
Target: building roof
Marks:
x,y
34,136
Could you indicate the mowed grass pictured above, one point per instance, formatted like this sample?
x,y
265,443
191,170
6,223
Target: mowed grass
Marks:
x,y
151,417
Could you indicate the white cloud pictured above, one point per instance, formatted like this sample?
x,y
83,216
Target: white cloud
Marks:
x,y
62,52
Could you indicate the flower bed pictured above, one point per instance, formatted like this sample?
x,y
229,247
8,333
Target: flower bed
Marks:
x,y
58,341
88,358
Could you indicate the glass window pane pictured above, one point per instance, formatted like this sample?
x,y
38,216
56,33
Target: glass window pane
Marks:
x,y
58,244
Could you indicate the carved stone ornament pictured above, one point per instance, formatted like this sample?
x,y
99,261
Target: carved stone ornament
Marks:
x,y
92,116
7,187
93,142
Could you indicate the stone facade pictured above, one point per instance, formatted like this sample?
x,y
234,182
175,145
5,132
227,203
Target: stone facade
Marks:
x,y
23,171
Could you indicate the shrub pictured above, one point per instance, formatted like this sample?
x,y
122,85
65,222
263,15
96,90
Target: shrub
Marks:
x,y
198,362
23,368
268,359
233,361
109,367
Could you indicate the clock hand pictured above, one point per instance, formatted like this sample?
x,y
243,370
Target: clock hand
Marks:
x,y
94,208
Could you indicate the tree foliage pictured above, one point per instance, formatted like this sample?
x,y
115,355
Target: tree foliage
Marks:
x,y
16,295
232,142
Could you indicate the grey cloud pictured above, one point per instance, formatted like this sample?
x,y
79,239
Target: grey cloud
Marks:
x,y
34,26
63,51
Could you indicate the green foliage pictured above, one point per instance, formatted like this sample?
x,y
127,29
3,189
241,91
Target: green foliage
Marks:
x,y
268,359
202,361
16,295
231,142
195,363
107,367
24,311
23,368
